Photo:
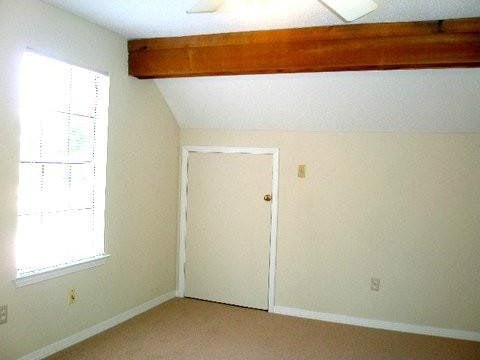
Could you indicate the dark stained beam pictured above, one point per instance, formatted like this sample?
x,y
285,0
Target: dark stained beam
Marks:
x,y
408,45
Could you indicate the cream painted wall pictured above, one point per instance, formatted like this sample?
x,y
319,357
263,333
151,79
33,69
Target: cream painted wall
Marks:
x,y
142,184
401,207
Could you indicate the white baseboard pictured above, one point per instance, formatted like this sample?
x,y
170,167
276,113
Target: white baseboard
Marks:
x,y
335,318
96,329
378,324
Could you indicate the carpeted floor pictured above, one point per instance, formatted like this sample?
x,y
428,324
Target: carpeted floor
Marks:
x,y
198,330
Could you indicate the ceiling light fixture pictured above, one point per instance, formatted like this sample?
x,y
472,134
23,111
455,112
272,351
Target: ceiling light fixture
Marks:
x,y
205,6
349,10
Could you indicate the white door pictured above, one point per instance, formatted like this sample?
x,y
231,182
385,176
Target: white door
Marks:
x,y
228,228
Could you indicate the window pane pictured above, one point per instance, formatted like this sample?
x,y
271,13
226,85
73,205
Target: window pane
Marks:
x,y
82,186
81,139
55,187
45,84
54,239
57,137
32,252
29,189
30,139
71,232
84,92
61,108
53,141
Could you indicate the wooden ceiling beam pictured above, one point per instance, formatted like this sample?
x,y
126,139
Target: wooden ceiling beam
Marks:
x,y
408,45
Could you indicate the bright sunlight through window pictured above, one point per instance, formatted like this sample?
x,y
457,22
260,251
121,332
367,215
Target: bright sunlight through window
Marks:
x,y
63,143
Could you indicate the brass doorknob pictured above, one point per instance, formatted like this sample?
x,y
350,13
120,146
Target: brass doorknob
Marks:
x,y
267,197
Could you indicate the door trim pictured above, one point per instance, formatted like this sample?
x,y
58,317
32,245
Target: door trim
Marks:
x,y
186,150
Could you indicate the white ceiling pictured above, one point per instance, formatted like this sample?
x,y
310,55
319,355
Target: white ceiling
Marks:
x,y
155,18
420,100
408,100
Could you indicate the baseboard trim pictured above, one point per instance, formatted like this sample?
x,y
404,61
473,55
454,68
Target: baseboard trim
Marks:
x,y
378,324
98,328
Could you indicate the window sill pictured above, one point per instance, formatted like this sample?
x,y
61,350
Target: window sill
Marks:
x,y
36,277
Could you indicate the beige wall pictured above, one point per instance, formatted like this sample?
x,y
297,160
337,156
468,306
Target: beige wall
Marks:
x,y
404,208
401,207
142,184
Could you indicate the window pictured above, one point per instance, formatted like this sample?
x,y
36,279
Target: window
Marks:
x,y
61,193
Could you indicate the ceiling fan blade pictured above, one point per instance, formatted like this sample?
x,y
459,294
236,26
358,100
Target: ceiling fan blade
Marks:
x,y
205,6
351,9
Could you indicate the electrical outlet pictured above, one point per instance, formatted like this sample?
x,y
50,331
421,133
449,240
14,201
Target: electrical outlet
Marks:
x,y
72,296
3,314
375,284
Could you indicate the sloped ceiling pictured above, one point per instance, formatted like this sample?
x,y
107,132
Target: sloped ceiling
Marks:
x,y
420,100
155,18
407,100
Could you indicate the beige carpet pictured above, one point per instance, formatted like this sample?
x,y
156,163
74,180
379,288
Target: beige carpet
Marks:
x,y
198,330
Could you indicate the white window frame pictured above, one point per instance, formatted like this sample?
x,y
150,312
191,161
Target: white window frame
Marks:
x,y
101,129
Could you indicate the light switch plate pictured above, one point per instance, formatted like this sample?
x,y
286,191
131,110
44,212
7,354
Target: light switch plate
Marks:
x,y
301,171
3,314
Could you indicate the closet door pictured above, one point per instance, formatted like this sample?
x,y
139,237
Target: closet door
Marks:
x,y
228,228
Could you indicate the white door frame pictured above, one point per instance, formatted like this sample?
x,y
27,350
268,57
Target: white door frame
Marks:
x,y
186,150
